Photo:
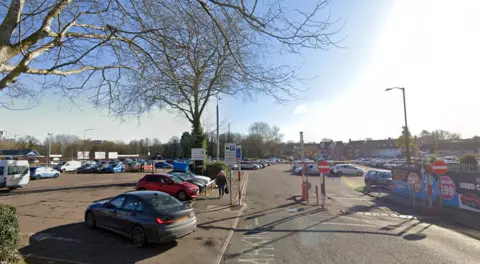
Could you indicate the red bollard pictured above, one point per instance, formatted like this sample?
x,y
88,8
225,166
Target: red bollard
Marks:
x,y
238,172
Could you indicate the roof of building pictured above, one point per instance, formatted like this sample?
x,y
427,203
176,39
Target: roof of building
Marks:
x,y
19,152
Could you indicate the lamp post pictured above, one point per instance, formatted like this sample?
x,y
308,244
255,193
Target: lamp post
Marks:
x,y
84,133
407,140
15,141
218,131
49,148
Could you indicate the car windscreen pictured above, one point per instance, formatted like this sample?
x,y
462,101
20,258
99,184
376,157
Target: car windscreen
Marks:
x,y
176,179
164,203
182,176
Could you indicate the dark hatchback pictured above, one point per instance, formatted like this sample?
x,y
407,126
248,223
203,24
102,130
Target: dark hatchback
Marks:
x,y
143,216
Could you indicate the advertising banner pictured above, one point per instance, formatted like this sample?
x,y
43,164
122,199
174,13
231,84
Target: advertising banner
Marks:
x,y
100,155
113,155
198,154
83,155
467,188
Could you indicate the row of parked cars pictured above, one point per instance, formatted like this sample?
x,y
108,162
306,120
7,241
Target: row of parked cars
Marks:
x,y
379,162
154,212
335,169
254,164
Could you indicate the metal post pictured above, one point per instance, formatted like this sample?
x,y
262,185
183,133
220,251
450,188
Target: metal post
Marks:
x,y
231,191
316,194
218,132
302,153
430,191
322,189
407,139
49,148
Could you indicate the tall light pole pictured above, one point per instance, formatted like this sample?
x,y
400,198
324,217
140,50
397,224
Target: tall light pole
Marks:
x,y
84,133
407,140
218,131
15,141
49,148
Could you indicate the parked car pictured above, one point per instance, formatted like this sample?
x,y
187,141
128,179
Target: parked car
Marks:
x,y
378,178
14,174
204,179
471,200
114,168
347,169
72,165
58,167
163,165
37,173
144,217
88,168
170,184
246,165
185,177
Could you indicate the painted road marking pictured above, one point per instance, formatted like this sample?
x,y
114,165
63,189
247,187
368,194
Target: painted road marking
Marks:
x,y
44,236
256,221
258,250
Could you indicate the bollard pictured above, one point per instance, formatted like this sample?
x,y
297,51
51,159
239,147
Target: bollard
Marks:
x,y
316,194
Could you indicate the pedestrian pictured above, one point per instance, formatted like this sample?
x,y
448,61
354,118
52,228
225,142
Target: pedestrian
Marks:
x,y
221,182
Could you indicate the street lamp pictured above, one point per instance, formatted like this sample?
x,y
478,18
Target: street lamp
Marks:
x,y
84,132
407,145
49,148
218,131
15,141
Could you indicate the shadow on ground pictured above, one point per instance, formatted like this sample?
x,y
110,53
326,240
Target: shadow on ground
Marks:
x,y
76,242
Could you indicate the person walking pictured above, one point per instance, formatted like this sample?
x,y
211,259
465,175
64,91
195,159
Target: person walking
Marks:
x,y
221,182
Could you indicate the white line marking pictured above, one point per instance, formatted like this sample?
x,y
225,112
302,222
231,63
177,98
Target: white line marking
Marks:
x,y
256,221
234,225
348,224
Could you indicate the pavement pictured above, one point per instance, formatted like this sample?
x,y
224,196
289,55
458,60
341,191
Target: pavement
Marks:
x,y
276,227
51,215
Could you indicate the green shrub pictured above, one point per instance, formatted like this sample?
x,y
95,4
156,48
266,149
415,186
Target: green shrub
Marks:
x,y
213,168
470,159
9,234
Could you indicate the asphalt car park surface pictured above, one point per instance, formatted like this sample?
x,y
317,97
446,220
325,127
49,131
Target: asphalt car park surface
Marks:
x,y
51,215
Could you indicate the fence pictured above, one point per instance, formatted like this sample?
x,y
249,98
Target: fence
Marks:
x,y
463,167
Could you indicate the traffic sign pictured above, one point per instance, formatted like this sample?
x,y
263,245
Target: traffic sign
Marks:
x,y
414,181
239,152
439,167
230,153
323,166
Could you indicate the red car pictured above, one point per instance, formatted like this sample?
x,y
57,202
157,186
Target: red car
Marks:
x,y
168,184
471,200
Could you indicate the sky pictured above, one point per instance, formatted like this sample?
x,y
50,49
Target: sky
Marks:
x,y
428,47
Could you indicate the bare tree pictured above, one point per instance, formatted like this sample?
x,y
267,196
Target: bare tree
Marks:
x,y
213,48
50,40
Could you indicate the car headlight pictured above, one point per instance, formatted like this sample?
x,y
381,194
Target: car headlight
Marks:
x,y
192,189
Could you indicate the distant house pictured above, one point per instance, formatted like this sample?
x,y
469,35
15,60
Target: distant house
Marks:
x,y
353,147
19,153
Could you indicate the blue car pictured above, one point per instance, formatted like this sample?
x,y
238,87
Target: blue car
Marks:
x,y
163,165
114,168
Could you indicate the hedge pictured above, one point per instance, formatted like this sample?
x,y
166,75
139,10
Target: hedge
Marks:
x,y
9,234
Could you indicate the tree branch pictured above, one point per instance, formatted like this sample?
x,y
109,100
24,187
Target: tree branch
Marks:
x,y
11,21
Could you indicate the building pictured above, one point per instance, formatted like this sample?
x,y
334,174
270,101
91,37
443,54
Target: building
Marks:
x,y
19,153
352,149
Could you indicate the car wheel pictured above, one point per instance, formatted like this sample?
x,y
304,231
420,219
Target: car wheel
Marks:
x,y
139,238
339,173
90,220
359,173
38,177
182,195
56,175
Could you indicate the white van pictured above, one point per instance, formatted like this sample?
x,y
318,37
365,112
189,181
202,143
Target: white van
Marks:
x,y
14,174
72,165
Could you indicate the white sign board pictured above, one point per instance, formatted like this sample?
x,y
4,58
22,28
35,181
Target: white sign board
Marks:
x,y
230,153
113,155
99,155
81,155
198,154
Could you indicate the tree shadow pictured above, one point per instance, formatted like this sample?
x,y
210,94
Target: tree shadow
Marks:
x,y
76,242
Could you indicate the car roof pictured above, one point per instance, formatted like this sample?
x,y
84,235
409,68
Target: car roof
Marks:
x,y
380,170
145,194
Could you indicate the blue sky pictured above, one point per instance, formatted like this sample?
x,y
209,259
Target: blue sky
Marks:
x,y
429,47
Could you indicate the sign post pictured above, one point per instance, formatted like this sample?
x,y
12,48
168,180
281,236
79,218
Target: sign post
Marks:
x,y
230,159
323,167
440,168
239,170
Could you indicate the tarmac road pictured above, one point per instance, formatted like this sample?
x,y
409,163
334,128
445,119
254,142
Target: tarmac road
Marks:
x,y
354,228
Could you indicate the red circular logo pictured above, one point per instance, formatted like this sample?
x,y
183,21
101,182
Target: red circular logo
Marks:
x,y
447,188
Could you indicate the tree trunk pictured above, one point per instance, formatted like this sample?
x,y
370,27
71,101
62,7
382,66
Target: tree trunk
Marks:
x,y
197,133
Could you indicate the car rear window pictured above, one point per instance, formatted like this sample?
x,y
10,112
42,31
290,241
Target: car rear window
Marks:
x,y
162,203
